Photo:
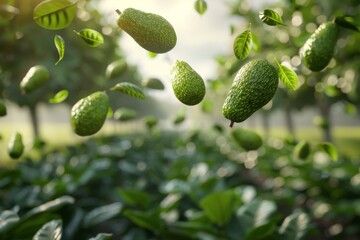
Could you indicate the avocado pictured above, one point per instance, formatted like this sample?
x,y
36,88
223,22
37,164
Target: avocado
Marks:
x,y
151,31
319,48
187,84
36,77
15,146
88,114
247,139
116,69
254,86
302,150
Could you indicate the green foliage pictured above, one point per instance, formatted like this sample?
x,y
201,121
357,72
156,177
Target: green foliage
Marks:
x,y
55,14
242,45
287,76
50,231
91,37
270,17
200,6
129,89
59,96
60,46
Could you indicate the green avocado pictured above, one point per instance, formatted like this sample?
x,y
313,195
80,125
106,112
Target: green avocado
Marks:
x,y
254,86
302,150
319,48
247,139
88,114
187,84
15,146
151,31
36,77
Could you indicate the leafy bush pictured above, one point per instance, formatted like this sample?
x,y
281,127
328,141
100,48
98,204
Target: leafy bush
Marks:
x,y
181,186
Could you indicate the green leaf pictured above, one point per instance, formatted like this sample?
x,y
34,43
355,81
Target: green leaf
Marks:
x,y
294,226
54,14
130,89
200,6
7,219
287,76
270,17
91,37
260,232
102,236
60,46
50,231
347,22
152,54
329,149
49,206
242,45
101,214
255,43
219,206
135,197
110,113
256,213
150,219
59,96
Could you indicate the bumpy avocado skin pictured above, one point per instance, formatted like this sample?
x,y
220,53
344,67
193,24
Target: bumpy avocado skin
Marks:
x,y
151,31
88,114
187,84
254,86
319,48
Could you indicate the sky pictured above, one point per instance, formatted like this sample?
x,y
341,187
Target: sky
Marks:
x,y
199,37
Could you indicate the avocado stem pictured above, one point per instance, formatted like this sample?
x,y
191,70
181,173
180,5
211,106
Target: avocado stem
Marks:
x,y
118,11
231,124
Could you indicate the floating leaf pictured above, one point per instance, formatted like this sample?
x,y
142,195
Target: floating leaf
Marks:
x,y
294,226
287,76
50,231
152,54
242,45
270,17
91,37
54,14
60,46
59,96
347,22
200,6
329,149
130,89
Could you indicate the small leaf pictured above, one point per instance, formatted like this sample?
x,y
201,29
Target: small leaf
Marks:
x,y
130,89
135,197
60,46
150,219
110,113
102,236
287,76
270,17
54,14
200,6
350,109
242,45
219,206
152,54
50,231
91,37
59,96
101,214
347,22
294,226
8,218
329,149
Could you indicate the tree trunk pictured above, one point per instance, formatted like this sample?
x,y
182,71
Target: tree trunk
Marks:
x,y
34,121
289,121
266,123
325,112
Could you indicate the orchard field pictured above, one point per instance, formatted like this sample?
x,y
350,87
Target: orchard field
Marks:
x,y
196,119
